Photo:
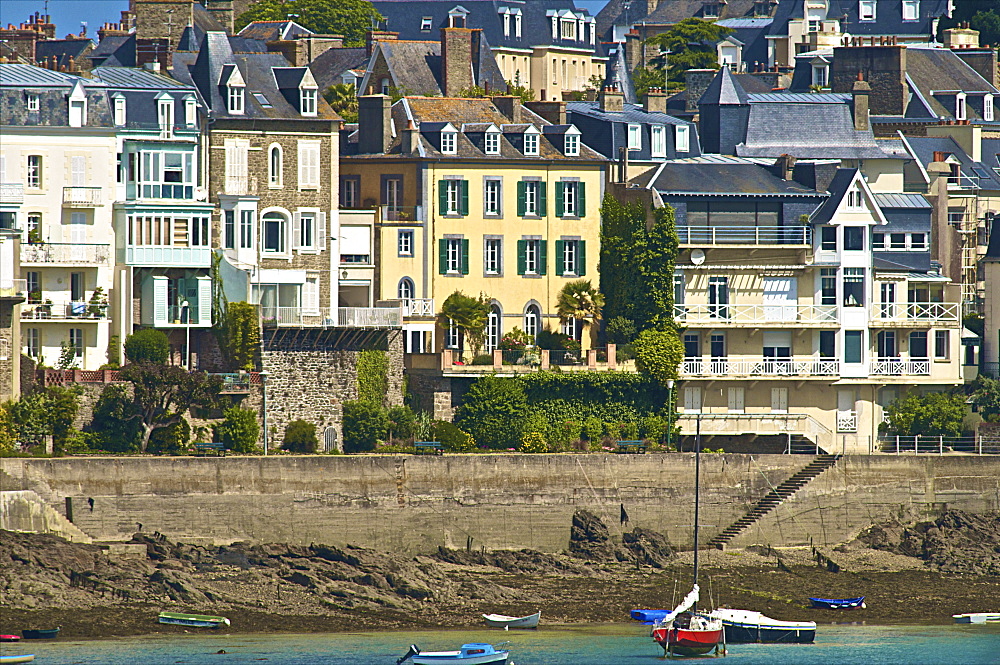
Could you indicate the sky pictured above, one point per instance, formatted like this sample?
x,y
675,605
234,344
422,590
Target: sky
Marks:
x,y
68,14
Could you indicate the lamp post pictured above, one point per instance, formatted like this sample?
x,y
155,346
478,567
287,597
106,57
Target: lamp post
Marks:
x,y
263,387
186,320
672,412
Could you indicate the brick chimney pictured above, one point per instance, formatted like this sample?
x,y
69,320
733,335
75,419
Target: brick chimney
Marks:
x,y
785,167
410,139
456,60
554,111
222,11
293,50
374,36
611,100
860,93
883,67
510,107
655,101
374,124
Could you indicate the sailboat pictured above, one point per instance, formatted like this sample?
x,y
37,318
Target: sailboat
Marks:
x,y
684,631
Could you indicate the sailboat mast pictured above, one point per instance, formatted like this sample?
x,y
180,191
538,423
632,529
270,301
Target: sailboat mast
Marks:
x,y
697,491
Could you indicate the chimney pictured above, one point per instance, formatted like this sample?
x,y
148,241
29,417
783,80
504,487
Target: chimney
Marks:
x,y
785,167
510,107
655,101
611,100
293,50
961,37
374,124
410,139
860,93
378,36
222,11
456,60
553,112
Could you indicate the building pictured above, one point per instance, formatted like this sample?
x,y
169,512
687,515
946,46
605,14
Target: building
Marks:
x,y
805,310
481,196
549,46
13,292
991,335
60,146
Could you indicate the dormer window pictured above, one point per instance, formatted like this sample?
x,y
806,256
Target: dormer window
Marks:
x,y
710,10
492,143
165,115
120,110
426,23
307,101
78,106
960,110
866,10
988,108
682,138
506,22
33,103
456,18
517,24
854,198
235,99
911,10
449,142
191,112
531,144
572,145
568,29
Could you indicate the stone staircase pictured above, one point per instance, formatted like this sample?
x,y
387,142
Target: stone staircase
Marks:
x,y
773,499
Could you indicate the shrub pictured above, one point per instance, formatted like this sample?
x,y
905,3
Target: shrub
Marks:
x,y
484,359
533,442
657,354
933,414
564,434
593,428
654,428
170,440
452,437
239,431
365,424
115,423
242,327
492,411
620,330
300,437
402,422
148,345
553,341
515,340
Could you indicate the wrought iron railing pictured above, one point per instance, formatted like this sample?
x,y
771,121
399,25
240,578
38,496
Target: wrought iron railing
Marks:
x,y
62,252
744,235
73,309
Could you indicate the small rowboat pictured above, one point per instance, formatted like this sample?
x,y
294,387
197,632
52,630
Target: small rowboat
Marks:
x,y
745,627
194,620
505,622
40,634
26,658
977,617
9,638
475,653
838,604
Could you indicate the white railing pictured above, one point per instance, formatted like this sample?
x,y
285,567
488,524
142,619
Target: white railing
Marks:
x,y
194,257
899,367
369,317
847,421
418,307
55,252
11,192
344,317
82,196
61,310
756,314
744,235
240,185
13,288
812,366
930,312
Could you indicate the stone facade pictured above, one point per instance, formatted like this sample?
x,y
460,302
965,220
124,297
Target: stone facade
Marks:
x,y
883,67
10,346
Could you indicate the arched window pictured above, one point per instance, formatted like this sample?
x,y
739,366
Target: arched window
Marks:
x,y
494,326
532,320
275,166
274,231
405,290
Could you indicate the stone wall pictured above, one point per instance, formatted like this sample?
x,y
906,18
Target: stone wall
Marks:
x,y
884,67
10,351
412,503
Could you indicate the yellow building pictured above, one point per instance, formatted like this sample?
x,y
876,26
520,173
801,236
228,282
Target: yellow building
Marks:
x,y
480,196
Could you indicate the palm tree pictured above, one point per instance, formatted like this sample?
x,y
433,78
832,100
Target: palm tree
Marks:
x,y
580,302
343,98
469,315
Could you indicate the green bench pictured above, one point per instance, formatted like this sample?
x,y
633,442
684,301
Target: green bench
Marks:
x,y
210,447
638,447
428,447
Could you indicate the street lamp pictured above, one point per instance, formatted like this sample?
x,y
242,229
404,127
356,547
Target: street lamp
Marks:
x,y
186,320
671,414
263,387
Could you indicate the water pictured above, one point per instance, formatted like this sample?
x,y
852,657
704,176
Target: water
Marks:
x,y
626,644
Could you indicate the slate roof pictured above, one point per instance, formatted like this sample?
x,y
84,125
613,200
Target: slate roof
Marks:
x,y
888,17
837,188
62,49
669,11
618,75
52,89
269,31
632,113
328,67
140,89
724,90
932,71
114,51
711,176
983,173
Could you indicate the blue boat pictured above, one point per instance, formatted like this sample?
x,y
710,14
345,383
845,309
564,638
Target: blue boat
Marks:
x,y
839,604
648,617
475,653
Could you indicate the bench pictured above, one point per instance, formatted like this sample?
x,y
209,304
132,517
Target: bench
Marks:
x,y
428,447
638,447
210,446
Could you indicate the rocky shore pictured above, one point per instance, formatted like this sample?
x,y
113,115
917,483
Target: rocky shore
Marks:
x,y
910,574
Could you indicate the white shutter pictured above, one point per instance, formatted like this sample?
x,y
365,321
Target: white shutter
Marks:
x,y
308,164
321,239
692,400
159,300
779,400
310,296
78,167
296,230
204,300
736,400
3,168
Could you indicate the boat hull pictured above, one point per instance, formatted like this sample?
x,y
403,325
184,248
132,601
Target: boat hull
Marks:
x,y
501,621
437,658
40,634
192,620
687,642
977,617
746,634
27,658
838,604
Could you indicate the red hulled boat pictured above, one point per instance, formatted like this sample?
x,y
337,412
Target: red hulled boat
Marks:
x,y
686,633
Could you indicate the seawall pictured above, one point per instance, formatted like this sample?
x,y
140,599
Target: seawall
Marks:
x,y
416,503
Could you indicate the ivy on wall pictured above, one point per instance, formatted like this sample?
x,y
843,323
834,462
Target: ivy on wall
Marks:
x,y
373,376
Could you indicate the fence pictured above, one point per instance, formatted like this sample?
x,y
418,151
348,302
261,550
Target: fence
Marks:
x,y
937,445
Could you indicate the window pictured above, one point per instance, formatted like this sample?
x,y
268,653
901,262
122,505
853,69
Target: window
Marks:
x,y
453,197
305,231
635,137
988,108
572,145
710,10
170,175
274,232
454,257
854,199
76,341
385,86
492,143
531,144
887,298
275,167
682,138
517,24
34,228
572,257
229,230
918,241
718,297
235,99
191,112
911,10
449,142
854,238
309,164
199,233
897,241
532,321
392,196
692,345
658,141
942,344
493,256
426,23
405,290
854,287
237,175
820,73
34,171
886,344
119,111
531,257
33,342
828,238
717,345
34,284
491,196
246,229
827,343
451,335
853,346
33,104
828,286
307,101
570,200
350,192
404,243
165,117
568,29
78,171
678,288
530,198
77,112
866,10
960,111
878,241
918,345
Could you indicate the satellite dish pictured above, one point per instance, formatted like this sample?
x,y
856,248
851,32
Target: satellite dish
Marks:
x,y
697,256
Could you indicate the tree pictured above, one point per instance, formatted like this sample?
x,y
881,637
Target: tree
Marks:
x,y
147,346
343,99
493,411
985,393
658,352
239,431
469,315
114,422
300,437
365,424
402,422
580,302
162,394
350,18
691,44
933,414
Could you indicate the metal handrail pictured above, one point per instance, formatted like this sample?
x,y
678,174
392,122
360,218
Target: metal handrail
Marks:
x,y
756,313
743,235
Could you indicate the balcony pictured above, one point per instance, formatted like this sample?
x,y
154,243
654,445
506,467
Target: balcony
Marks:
x,y
401,213
744,235
754,315
178,318
414,307
244,185
168,256
64,253
72,310
811,366
82,197
916,313
847,421
16,289
342,317
899,367
11,192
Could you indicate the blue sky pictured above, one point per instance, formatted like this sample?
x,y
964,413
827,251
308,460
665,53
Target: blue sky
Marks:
x,y
68,14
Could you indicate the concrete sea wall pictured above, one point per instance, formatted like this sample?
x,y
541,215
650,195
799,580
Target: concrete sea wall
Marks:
x,y
416,503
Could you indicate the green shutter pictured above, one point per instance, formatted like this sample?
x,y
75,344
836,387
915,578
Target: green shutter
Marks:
x,y
442,197
442,257
464,204
559,199
542,256
522,260
542,209
581,257
520,198
465,256
560,258
581,204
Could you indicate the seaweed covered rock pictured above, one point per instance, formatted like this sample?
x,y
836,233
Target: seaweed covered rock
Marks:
x,y
649,548
590,539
